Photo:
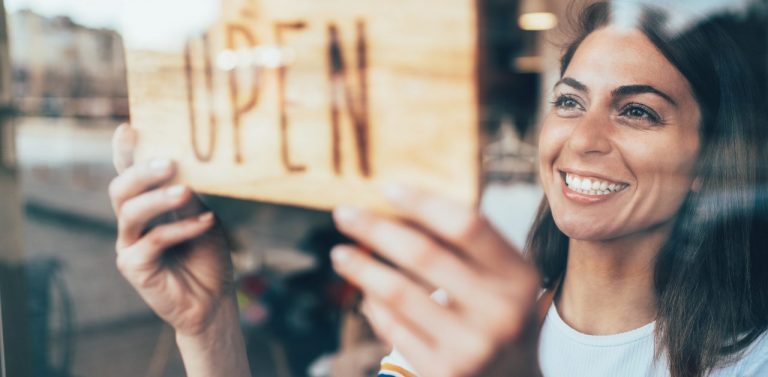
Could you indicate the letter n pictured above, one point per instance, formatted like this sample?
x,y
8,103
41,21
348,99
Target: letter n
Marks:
x,y
190,80
341,92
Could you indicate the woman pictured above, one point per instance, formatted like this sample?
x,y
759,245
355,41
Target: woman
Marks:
x,y
648,239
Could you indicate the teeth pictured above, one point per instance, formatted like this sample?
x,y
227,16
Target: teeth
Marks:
x,y
592,186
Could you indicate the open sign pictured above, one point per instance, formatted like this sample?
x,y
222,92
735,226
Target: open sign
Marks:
x,y
315,103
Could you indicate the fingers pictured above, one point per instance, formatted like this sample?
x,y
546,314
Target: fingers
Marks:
x,y
123,145
144,254
420,353
498,294
410,249
457,224
458,353
137,212
491,288
138,179
418,253
411,303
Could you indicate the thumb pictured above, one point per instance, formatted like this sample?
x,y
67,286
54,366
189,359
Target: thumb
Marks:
x,y
123,146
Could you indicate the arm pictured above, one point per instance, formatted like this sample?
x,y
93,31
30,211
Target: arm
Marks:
x,y
192,291
219,350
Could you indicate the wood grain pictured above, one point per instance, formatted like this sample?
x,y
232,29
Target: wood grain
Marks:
x,y
376,91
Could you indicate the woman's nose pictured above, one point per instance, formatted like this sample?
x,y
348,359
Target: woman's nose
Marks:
x,y
591,136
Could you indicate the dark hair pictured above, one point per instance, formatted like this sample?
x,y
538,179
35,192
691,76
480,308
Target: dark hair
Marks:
x,y
710,280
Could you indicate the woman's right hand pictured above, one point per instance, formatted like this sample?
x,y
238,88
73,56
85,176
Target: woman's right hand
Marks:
x,y
181,268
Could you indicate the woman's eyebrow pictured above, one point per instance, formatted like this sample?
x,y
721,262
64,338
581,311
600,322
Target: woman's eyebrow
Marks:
x,y
576,84
629,90
622,91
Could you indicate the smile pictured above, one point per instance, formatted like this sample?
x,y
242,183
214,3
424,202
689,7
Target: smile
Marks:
x,y
591,186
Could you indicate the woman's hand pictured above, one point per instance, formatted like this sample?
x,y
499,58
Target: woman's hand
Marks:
x,y
488,326
181,267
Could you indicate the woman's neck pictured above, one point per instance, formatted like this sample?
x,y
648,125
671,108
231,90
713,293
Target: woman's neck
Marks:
x,y
608,285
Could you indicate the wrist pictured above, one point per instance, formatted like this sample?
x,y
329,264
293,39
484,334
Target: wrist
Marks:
x,y
218,348
223,318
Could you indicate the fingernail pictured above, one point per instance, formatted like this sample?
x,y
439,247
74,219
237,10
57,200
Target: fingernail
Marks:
x,y
206,217
175,191
395,192
160,165
346,214
129,132
340,254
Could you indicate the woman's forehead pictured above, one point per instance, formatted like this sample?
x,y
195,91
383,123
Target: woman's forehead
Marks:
x,y
611,57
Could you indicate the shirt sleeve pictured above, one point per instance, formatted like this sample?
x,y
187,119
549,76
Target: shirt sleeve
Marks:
x,y
395,365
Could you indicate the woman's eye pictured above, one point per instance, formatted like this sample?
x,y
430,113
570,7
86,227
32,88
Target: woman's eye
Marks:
x,y
641,112
566,104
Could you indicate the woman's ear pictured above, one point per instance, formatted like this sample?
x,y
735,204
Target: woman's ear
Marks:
x,y
696,184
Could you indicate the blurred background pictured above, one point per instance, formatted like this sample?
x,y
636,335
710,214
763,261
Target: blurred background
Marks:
x,y
67,312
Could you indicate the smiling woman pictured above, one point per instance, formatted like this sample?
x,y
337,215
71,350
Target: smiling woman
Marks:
x,y
672,120
649,242
613,124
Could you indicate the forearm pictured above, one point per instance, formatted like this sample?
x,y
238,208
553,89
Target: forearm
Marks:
x,y
219,350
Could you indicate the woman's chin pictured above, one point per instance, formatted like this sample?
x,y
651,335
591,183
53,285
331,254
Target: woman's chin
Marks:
x,y
585,229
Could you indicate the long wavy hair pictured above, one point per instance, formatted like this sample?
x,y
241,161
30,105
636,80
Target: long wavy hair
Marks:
x,y
711,275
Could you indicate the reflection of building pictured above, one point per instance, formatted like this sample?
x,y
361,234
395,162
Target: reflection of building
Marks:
x,y
65,69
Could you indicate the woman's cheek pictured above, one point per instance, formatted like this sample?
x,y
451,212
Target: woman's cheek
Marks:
x,y
552,138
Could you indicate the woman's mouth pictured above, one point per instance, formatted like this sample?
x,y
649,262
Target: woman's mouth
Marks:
x,y
589,188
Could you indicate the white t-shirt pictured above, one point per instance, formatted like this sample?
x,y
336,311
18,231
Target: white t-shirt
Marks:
x,y
565,352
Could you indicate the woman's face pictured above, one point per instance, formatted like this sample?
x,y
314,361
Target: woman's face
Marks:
x,y
618,148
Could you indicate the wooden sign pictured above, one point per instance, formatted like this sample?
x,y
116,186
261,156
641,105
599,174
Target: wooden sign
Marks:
x,y
313,102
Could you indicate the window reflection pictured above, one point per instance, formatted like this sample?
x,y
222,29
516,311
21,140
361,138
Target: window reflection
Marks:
x,y
69,93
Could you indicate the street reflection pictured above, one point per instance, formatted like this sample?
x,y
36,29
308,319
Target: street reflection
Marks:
x,y
70,93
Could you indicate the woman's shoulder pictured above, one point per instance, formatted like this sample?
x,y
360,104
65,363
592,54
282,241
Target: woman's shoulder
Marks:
x,y
753,361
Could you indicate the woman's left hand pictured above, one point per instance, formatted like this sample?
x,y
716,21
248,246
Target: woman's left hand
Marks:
x,y
488,326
